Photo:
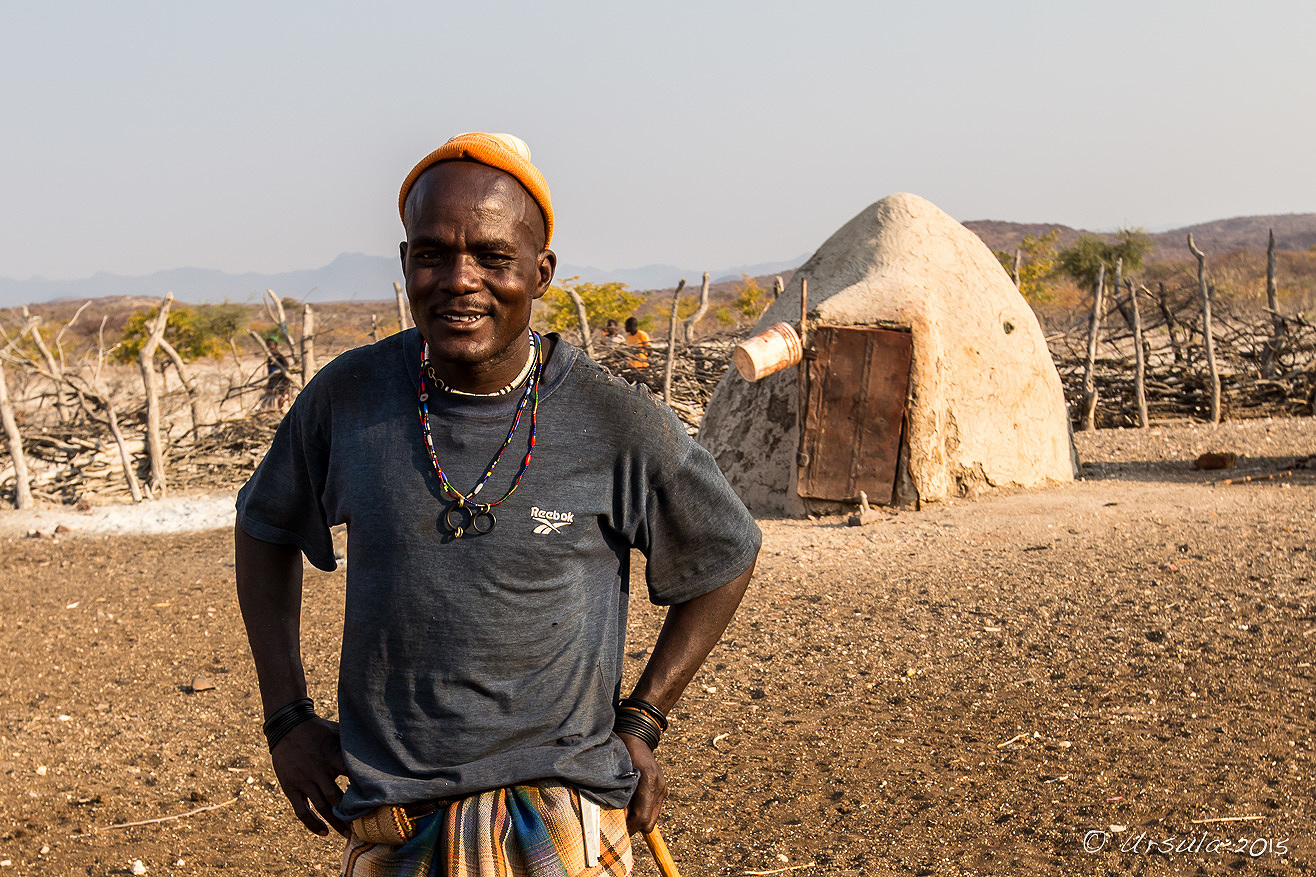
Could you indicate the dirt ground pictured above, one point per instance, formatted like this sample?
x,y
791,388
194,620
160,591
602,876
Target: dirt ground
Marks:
x,y
1108,677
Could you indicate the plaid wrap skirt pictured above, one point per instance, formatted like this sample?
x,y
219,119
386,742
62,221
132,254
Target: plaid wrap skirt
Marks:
x,y
530,830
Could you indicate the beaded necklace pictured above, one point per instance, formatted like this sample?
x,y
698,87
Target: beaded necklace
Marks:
x,y
507,388
466,516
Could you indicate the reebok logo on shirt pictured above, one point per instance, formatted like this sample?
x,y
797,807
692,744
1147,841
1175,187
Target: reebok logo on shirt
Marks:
x,y
550,521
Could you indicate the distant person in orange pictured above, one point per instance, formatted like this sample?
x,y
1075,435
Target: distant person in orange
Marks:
x,y
637,337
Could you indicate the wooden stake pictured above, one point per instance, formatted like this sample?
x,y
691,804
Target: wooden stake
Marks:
x,y
189,385
689,327
1270,360
1089,369
1139,358
585,341
804,314
22,487
151,380
274,307
402,306
802,382
33,325
671,344
1207,339
308,344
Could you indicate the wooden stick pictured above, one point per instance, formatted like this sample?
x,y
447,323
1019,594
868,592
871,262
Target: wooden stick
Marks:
x,y
1090,365
155,450
1228,819
583,318
308,344
802,385
804,312
1208,342
23,485
671,344
661,855
401,296
1270,361
1139,357
698,315
168,818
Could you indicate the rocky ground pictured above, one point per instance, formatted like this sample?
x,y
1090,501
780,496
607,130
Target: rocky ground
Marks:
x,y
1107,677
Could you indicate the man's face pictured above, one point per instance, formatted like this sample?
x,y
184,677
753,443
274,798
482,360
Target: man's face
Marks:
x,y
474,262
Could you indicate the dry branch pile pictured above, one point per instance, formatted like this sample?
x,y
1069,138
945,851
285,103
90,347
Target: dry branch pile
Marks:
x,y
698,367
1177,382
83,423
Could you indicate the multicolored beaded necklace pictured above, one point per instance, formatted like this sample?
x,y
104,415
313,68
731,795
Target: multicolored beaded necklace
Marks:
x,y
466,516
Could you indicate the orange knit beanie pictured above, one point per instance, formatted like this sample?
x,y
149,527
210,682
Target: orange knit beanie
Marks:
x,y
505,152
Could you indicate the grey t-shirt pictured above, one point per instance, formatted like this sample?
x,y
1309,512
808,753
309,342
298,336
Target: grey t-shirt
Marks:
x,y
475,663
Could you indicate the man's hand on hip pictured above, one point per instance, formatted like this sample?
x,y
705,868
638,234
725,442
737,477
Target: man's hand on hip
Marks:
x,y
308,762
642,812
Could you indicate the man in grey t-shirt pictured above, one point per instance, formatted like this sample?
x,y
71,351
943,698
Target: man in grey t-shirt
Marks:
x,y
488,559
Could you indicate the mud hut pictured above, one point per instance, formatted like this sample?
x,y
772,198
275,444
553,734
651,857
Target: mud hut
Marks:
x,y
928,376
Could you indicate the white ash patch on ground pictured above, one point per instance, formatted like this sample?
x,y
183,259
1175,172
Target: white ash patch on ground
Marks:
x,y
187,512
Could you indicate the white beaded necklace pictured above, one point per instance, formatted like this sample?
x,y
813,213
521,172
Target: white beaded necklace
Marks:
x,y
516,381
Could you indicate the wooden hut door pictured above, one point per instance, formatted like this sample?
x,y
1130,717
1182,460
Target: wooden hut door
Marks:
x,y
854,413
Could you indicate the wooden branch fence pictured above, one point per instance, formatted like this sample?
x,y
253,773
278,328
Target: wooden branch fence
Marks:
x,y
1259,372
1139,357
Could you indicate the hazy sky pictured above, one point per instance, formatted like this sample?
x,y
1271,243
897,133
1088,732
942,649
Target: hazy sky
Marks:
x,y
271,136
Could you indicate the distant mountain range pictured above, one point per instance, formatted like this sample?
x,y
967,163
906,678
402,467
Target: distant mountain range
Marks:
x,y
351,276
361,277
1293,231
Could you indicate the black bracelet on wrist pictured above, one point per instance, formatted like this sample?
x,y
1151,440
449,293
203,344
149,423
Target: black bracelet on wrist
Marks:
x,y
286,718
636,722
649,709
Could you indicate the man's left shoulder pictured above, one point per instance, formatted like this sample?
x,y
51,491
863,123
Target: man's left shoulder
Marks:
x,y
638,414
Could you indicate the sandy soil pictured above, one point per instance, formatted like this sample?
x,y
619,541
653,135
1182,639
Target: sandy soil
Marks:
x,y
1061,681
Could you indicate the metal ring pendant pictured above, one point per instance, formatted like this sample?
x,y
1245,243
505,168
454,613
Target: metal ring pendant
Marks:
x,y
463,520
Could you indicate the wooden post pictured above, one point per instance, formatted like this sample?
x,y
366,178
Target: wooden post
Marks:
x,y
1018,265
802,382
274,307
112,418
193,396
1090,367
778,287
151,379
672,330
22,487
125,458
374,326
804,316
1207,340
34,329
689,328
1139,359
1270,359
585,341
308,344
404,312
1171,325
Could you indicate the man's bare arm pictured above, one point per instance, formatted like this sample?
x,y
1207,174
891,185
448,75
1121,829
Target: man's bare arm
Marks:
x,y
308,760
688,635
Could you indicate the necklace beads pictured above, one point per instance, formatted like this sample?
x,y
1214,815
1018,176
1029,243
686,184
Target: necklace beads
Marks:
x,y
467,516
